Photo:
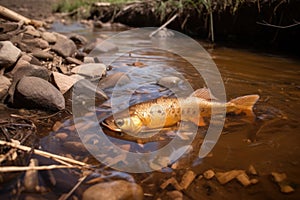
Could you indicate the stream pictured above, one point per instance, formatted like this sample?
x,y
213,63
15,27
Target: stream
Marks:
x,y
271,144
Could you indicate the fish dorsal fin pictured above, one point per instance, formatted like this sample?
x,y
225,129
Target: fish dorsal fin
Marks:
x,y
203,93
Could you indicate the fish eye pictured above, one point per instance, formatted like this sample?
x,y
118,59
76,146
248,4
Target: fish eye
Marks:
x,y
119,122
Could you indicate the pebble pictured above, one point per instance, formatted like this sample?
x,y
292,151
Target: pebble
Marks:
x,y
61,136
225,177
119,78
115,190
43,55
63,82
71,60
49,37
31,180
169,81
34,92
9,54
9,26
175,195
64,46
244,179
75,147
252,170
91,70
187,179
30,30
209,174
4,86
36,42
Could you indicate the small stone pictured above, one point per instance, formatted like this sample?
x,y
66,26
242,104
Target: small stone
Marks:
x,y
118,78
4,85
30,30
169,82
63,82
252,170
115,190
286,189
61,136
75,147
9,54
175,195
34,92
57,125
64,46
254,181
78,39
279,177
187,179
92,70
75,61
225,177
49,37
31,179
44,55
244,179
209,174
7,27
36,42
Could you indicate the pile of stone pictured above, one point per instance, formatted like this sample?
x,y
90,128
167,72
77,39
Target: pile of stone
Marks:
x,y
37,66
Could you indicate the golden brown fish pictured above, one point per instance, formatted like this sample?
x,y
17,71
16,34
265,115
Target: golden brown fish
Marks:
x,y
168,111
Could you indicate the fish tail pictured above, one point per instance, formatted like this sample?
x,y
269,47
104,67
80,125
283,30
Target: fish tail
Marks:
x,y
243,104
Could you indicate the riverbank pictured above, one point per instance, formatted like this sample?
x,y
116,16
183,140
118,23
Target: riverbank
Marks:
x,y
269,24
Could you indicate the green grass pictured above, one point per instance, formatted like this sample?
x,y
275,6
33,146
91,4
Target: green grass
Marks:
x,y
70,5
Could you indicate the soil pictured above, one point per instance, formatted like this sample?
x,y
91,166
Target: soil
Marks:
x,y
35,9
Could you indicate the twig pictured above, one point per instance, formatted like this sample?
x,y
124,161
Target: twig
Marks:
x,y
26,168
66,196
44,154
163,26
264,23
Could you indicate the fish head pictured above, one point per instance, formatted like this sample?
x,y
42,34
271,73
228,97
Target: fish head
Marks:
x,y
131,125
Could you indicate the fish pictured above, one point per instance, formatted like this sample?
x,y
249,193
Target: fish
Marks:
x,y
165,112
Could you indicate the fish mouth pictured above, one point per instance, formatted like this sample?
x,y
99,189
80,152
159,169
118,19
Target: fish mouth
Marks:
x,y
114,128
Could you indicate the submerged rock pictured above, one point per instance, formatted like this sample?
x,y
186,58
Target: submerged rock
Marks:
x,y
9,54
33,92
100,46
115,190
64,46
119,78
169,81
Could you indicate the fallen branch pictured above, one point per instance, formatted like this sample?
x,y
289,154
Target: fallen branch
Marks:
x,y
264,23
26,168
12,15
164,25
44,154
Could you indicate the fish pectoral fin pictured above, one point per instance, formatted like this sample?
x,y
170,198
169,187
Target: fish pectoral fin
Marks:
x,y
199,121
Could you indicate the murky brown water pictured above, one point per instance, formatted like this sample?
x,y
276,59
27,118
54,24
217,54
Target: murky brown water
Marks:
x,y
275,136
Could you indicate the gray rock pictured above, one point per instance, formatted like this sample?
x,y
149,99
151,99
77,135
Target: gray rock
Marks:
x,y
75,61
119,78
30,30
78,39
4,85
40,54
7,27
87,90
64,46
92,70
100,46
36,42
169,81
9,54
115,190
33,92
49,37
63,82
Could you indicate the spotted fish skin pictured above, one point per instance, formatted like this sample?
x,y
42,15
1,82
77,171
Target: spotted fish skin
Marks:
x,y
168,111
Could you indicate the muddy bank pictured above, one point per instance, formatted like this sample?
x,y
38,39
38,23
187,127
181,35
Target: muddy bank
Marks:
x,y
266,24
